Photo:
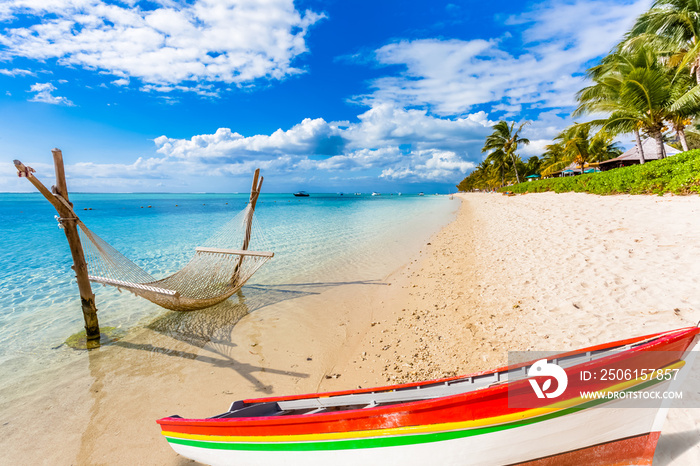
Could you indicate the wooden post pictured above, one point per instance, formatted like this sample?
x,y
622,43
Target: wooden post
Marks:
x,y
254,193
59,199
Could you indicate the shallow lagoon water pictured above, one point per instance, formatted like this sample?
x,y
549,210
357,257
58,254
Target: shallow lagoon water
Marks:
x,y
324,239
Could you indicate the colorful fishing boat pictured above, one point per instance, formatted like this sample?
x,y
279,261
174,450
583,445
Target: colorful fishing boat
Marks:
x,y
489,418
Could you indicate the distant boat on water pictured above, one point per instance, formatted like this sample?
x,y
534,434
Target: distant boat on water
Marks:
x,y
376,194
421,193
301,194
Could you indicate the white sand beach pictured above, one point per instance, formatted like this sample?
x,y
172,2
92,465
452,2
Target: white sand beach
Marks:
x,y
538,271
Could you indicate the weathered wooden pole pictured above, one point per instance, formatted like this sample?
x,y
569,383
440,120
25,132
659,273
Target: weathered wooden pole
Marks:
x,y
254,193
58,197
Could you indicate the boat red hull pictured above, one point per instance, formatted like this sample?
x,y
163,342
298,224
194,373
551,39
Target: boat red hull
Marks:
x,y
554,432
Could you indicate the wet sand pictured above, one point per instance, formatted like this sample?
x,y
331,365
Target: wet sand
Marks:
x,y
542,272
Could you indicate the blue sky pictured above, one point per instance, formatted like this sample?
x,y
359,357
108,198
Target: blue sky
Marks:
x,y
325,96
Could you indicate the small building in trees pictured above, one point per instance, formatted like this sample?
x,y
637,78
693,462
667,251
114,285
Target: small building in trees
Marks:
x,y
632,156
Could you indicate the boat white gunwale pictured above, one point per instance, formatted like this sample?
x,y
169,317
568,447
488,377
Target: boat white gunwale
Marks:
x,y
612,352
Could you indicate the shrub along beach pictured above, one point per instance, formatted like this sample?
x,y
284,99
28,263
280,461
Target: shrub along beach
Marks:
x,y
679,174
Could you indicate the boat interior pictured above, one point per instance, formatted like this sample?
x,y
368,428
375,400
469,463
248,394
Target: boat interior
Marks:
x,y
315,404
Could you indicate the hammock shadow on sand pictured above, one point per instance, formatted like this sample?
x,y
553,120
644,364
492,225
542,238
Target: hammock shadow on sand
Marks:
x,y
217,360
210,328
213,325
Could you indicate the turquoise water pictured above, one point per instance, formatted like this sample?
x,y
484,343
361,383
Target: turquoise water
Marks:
x,y
320,239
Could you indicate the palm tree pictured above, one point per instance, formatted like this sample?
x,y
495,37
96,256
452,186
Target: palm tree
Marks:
x,y
505,140
487,177
576,144
602,147
686,104
645,96
604,94
553,159
662,94
635,89
481,178
533,165
575,140
498,160
672,27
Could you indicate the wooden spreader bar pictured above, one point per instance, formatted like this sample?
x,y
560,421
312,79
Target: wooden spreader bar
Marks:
x,y
128,285
238,252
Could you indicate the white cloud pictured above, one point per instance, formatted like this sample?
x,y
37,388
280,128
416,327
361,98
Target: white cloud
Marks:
x,y
361,159
386,125
44,94
386,143
536,148
383,137
429,165
167,48
16,72
451,76
310,137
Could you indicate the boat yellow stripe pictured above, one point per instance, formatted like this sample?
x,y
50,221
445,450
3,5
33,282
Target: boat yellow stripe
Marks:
x,y
420,429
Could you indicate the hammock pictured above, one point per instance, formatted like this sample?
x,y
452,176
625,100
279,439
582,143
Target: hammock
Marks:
x,y
215,272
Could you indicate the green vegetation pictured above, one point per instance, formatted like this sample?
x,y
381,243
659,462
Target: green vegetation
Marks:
x,y
576,144
679,174
649,86
503,143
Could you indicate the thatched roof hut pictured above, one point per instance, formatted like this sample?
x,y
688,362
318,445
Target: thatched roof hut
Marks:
x,y
632,156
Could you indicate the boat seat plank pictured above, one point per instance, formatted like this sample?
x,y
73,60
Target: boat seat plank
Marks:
x,y
394,396
240,409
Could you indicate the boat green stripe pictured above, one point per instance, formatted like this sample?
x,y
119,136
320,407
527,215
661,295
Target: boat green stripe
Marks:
x,y
392,441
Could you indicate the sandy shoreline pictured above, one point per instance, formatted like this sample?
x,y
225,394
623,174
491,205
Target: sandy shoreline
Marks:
x,y
543,272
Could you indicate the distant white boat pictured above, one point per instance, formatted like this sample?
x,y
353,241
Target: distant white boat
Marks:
x,y
399,194
376,194
421,194
358,194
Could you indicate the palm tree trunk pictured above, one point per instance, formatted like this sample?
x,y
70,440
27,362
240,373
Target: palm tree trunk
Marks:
x,y
515,167
639,146
660,144
681,136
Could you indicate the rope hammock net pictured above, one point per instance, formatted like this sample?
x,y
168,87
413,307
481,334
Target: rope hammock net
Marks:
x,y
218,269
